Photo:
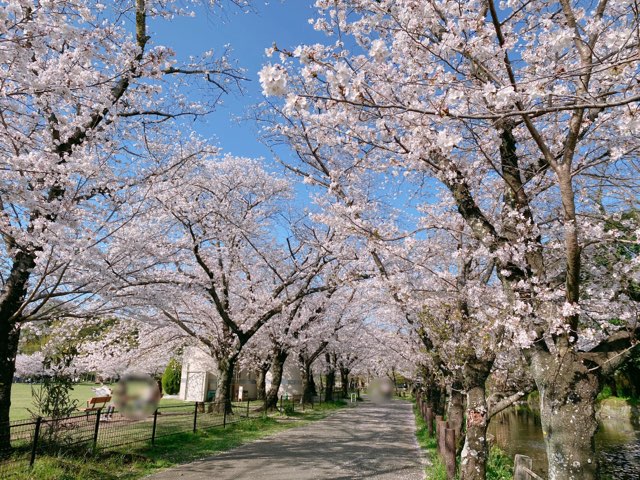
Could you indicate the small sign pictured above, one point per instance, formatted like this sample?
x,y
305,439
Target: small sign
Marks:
x,y
240,392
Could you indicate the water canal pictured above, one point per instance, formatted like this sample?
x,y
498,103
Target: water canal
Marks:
x,y
518,430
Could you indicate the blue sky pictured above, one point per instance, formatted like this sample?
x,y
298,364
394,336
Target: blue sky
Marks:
x,y
248,34
284,22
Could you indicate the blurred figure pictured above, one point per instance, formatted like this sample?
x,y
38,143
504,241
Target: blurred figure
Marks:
x,y
137,396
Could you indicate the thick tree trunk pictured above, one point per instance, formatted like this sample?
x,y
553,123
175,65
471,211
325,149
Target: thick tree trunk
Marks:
x,y
13,294
568,392
344,379
226,370
9,336
331,380
434,396
308,384
443,399
473,462
261,382
312,385
455,410
277,368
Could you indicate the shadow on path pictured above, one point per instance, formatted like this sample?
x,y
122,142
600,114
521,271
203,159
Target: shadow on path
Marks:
x,y
372,441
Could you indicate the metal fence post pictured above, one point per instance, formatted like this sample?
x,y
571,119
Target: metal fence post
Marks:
x,y
248,407
97,428
155,423
195,418
36,436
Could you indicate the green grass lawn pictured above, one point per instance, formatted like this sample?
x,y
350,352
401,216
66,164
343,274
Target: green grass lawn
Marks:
x,y
21,398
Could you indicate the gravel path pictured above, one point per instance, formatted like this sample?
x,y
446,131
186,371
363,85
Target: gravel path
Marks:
x,y
373,441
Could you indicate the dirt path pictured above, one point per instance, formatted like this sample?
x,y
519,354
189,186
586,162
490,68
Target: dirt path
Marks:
x,y
373,441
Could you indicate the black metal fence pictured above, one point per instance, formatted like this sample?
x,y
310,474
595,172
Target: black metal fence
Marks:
x,y
96,430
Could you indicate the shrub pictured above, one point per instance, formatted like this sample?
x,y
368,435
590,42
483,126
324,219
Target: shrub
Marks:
x,y
52,398
500,465
605,393
171,377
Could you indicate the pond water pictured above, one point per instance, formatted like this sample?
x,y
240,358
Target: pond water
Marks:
x,y
518,430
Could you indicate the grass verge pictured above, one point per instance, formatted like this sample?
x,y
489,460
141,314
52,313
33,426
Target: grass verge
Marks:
x,y
22,400
135,461
499,465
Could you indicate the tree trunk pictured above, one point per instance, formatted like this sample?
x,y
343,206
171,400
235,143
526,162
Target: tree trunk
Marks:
x,y
226,370
312,384
344,379
331,380
434,396
443,399
277,368
261,382
308,384
395,382
13,294
9,336
473,462
455,410
568,392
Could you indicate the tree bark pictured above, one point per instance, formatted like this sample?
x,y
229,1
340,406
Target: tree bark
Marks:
x,y
313,391
10,333
475,452
331,379
344,379
308,384
434,396
277,367
14,293
226,370
455,410
568,391
473,464
261,382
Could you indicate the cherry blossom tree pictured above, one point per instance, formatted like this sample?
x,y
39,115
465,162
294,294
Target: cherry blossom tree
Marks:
x,y
30,365
341,310
524,117
212,257
439,290
283,335
82,86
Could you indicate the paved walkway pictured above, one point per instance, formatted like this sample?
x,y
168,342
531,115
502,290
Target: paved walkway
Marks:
x,y
372,441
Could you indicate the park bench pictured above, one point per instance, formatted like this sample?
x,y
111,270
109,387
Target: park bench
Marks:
x,y
95,403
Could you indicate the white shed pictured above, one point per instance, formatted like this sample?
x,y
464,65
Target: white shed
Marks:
x,y
291,379
199,380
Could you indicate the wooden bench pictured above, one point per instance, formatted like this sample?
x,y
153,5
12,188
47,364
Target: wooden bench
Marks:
x,y
95,403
